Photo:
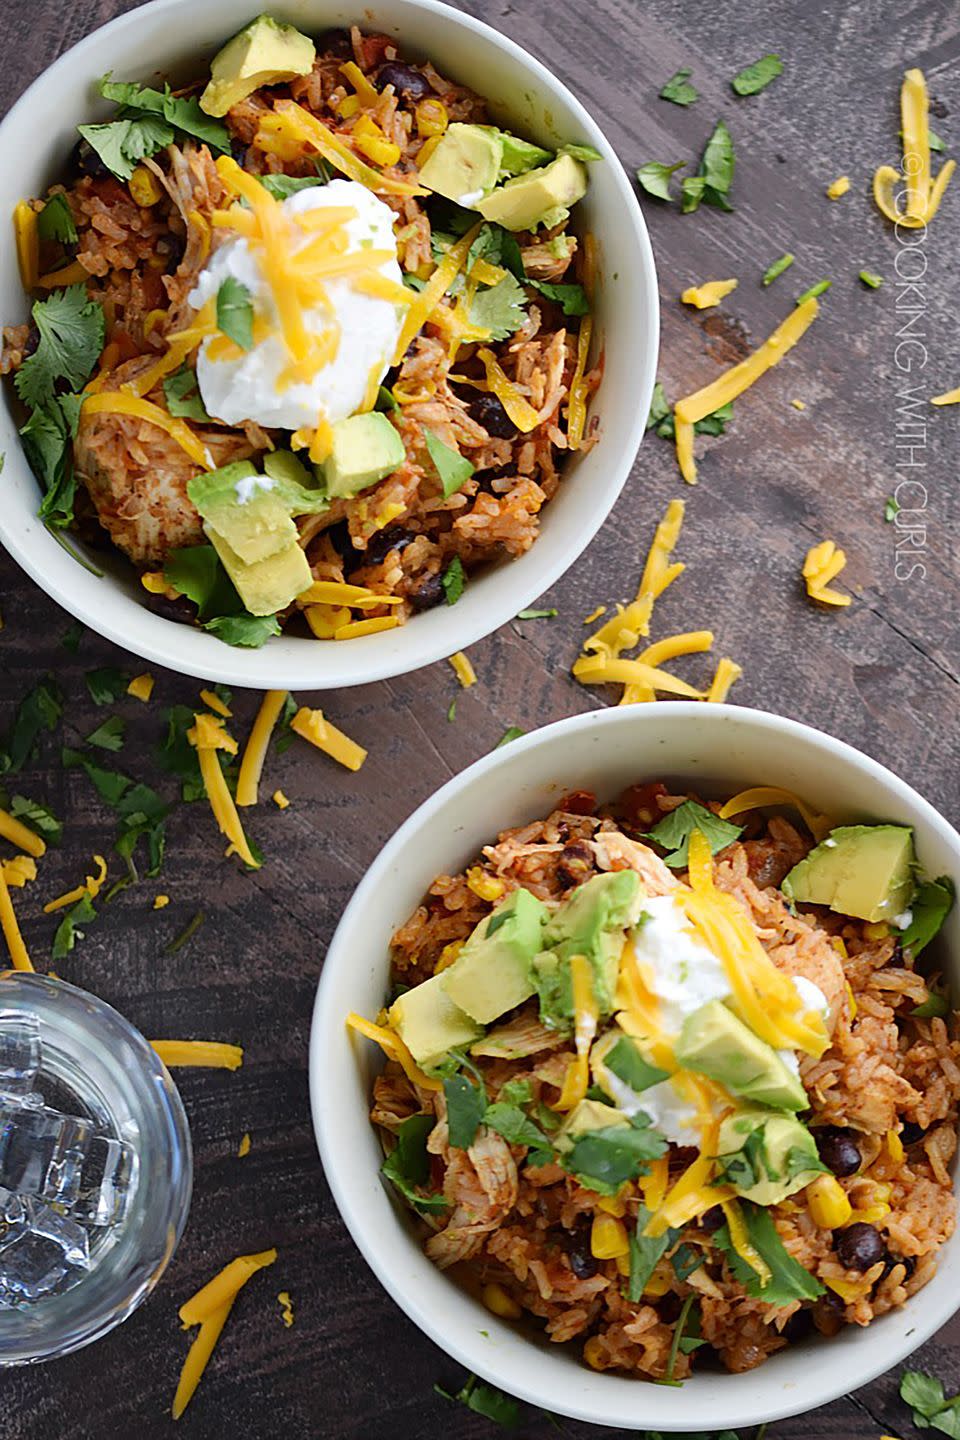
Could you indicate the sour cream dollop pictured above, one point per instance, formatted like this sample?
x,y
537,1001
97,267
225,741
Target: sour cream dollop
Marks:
x,y
247,387
683,973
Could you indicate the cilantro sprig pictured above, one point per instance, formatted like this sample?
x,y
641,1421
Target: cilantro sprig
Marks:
x,y
929,908
788,1280
674,830
453,469
679,90
148,121
71,328
40,709
197,572
407,1167
931,1409
756,77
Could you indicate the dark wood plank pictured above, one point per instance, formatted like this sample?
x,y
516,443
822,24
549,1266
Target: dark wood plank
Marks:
x,y
883,675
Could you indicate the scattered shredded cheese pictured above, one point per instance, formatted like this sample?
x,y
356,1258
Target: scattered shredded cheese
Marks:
x,y
759,796
28,243
726,673
19,958
392,1046
708,294
255,751
355,628
21,835
313,726
160,902
517,406
212,1054
198,1357
215,785
141,687
209,1309
839,187
594,614
740,1240
285,129
280,800
91,886
923,192
117,402
18,871
213,702
578,392
736,380
463,669
286,1308
798,404
822,564
586,1014
338,592
950,397
244,1147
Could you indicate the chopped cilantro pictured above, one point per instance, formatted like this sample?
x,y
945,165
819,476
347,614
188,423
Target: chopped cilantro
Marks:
x,y
654,177
107,684
500,308
247,631
756,77
891,509
71,637
685,1260
109,735
603,1159
871,279
537,614
122,144
931,1408
452,710
40,709
71,329
626,1062
177,756
498,247
516,1092
717,167
452,468
777,268
47,437
235,312
281,187
67,932
485,1400
512,732
814,290
37,818
929,908
187,933
679,90
674,830
518,1129
196,571
645,1253
408,1165
659,407
55,221
571,298
678,1333
148,121
934,1007
466,1104
141,811
454,580
788,1280
182,394
386,399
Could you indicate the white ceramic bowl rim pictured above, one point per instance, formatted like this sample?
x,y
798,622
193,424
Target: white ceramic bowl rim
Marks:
x,y
111,607
806,1377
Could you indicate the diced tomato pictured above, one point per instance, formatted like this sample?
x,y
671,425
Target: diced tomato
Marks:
x,y
127,347
373,48
578,802
638,804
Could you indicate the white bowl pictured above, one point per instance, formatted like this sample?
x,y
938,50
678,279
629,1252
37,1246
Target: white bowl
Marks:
x,y
176,38
716,749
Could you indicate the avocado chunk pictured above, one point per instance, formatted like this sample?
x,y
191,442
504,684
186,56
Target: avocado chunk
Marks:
x,y
592,922
492,972
429,1023
716,1043
586,1116
466,163
766,1157
521,155
539,197
240,506
263,53
365,449
861,870
268,585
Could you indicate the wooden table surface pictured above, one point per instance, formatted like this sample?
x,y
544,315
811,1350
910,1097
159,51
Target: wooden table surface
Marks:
x,y
882,675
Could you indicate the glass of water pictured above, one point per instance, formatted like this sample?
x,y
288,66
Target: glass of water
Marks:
x,y
96,1168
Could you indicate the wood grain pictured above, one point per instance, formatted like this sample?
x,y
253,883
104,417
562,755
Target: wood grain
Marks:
x,y
883,675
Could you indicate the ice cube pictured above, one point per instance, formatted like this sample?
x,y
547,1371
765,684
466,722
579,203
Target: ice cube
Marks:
x,y
19,1052
105,1182
41,1251
42,1152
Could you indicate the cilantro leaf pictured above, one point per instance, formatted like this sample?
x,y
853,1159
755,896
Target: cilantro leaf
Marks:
x,y
485,1400
38,818
814,291
67,932
107,684
451,467
196,571
40,709
717,166
109,735
466,1103
512,732
70,640
235,312
626,1062
55,221
922,1393
756,77
645,1253
454,580
777,268
691,193
122,144
570,297
281,187
679,90
518,1129
247,631
515,1092
659,407
408,1164
47,440
141,811
498,247
500,307
71,328
177,756
386,400
603,1159
871,279
891,509
182,394
929,908
655,177
788,1281
684,1261
674,831
184,114
934,1007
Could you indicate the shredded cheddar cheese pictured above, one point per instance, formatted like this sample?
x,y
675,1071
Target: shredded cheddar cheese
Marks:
x,y
207,736
255,751
198,1357
76,273
726,673
759,796
710,293
243,1150
517,406
118,402
160,902
733,382
280,800
355,628
286,1308
822,564
740,1240
209,1309
393,1047
141,687
586,1014
578,393
28,244
213,702
91,886
313,726
286,129
595,614
923,193
463,669
17,950
838,188
338,592
21,835
211,1054
950,397
19,871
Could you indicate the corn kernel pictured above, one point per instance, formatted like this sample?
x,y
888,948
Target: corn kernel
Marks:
x,y
876,930
371,141
447,956
849,1290
659,1282
144,187
326,620
348,106
615,1205
895,1147
500,1303
608,1238
593,1352
828,1203
28,243
487,887
432,117
838,944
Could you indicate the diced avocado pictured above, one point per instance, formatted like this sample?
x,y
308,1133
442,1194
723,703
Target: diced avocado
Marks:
x,y
766,1157
365,449
267,585
589,1115
716,1043
540,196
240,506
288,468
466,163
429,1023
263,53
861,870
520,155
492,972
592,922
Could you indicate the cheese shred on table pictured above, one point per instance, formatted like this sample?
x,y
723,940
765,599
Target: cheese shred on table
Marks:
x,y
822,564
922,192
213,1054
255,752
209,1309
312,725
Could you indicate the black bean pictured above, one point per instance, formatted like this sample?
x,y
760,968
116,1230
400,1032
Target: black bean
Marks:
x,y
669,1307
394,537
405,80
891,1263
239,151
488,412
828,1314
32,341
339,537
336,42
859,1246
838,1149
173,246
712,1219
911,1133
577,1245
799,1326
88,162
575,864
429,594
